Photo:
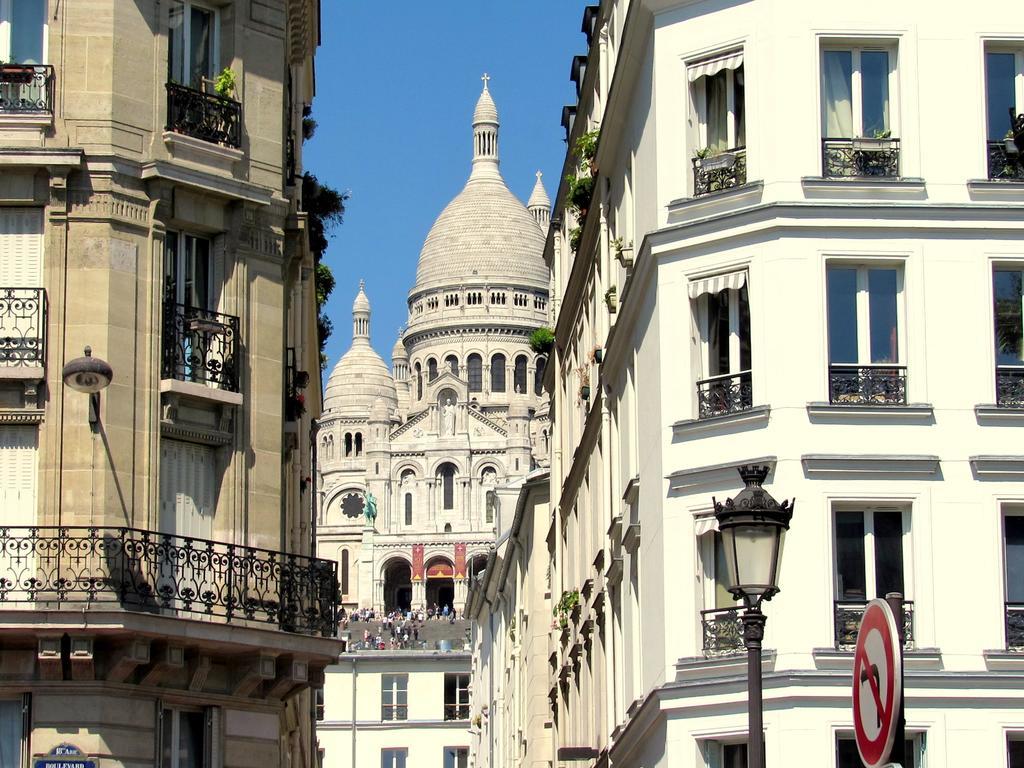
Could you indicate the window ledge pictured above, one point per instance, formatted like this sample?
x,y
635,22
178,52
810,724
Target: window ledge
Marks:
x,y
995,413
723,665
997,467
43,157
20,121
192,150
22,372
917,658
906,185
687,479
1002,660
1002,186
857,411
753,417
689,207
893,466
200,392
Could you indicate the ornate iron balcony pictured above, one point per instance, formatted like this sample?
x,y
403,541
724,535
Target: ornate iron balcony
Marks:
x,y
1015,626
723,171
151,572
867,384
205,116
1010,386
26,89
723,630
1002,165
456,711
860,158
22,326
848,614
200,346
719,395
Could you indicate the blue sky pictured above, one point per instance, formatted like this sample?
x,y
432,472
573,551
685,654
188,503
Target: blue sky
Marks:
x,y
396,87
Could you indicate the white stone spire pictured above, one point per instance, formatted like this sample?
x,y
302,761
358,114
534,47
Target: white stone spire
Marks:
x,y
361,316
485,136
539,204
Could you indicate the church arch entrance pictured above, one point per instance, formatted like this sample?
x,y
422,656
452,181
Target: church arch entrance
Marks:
x,y
397,586
441,583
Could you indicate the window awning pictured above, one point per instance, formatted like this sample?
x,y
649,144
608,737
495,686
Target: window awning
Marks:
x,y
713,66
704,524
717,283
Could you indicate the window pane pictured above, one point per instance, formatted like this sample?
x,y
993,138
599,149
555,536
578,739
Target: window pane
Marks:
x,y
882,310
519,375
842,315
744,329
717,113
408,509
1007,290
176,43
27,20
190,739
850,556
453,364
718,333
431,369
874,83
1015,754
837,98
1013,527
734,756
888,553
10,732
538,377
498,373
171,267
847,757
474,365
739,108
201,47
1000,94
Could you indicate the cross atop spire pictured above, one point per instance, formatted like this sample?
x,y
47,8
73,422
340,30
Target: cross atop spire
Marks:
x,y
539,174
485,78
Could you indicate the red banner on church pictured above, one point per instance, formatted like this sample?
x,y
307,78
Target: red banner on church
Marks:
x,y
439,569
417,562
460,561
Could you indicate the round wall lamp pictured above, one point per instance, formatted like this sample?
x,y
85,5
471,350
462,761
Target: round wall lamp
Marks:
x,y
90,375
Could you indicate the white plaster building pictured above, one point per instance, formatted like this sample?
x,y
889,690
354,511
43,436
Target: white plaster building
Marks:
x,y
803,250
461,411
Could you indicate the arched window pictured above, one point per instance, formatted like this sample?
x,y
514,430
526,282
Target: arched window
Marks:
x,y
538,377
498,373
453,364
431,369
344,571
359,443
447,473
419,382
475,372
447,527
519,376
408,509
348,444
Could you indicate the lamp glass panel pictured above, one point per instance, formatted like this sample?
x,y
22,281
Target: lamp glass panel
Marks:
x,y
729,557
755,553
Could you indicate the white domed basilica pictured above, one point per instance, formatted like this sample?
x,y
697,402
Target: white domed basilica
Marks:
x,y
422,448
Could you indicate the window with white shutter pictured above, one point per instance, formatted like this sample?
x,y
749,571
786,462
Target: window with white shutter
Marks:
x,y
21,247
188,492
18,456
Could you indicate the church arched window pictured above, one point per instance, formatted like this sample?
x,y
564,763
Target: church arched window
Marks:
x,y
475,372
344,571
359,443
447,473
519,375
419,382
538,377
348,444
498,373
408,509
453,364
431,369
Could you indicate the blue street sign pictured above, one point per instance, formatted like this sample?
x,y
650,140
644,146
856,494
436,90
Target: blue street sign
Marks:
x,y
64,756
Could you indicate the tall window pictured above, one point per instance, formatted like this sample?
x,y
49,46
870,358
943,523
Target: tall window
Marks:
x,y
12,733
723,313
394,697
538,377
187,269
1004,90
1013,557
475,372
456,696
419,382
1009,335
23,31
394,758
184,741
359,443
855,91
1015,750
847,756
408,509
498,373
431,369
348,444
447,472
719,99
192,43
344,571
453,364
724,755
456,757
519,375
869,554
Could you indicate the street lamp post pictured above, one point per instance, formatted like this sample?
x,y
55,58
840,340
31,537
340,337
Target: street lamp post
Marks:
x,y
753,527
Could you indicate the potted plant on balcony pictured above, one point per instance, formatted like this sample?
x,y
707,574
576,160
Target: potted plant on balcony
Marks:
x,y
224,84
584,373
611,299
574,238
879,141
581,191
707,160
542,340
623,252
585,150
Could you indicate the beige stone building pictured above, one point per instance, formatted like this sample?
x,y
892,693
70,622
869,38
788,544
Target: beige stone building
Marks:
x,y
159,603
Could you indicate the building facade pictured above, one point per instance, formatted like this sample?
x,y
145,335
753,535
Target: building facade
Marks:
x,y
461,411
160,602
802,251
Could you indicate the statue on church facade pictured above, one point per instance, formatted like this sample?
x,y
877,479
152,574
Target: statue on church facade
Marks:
x,y
448,418
370,508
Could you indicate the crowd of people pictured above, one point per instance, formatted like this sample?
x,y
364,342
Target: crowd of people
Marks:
x,y
396,629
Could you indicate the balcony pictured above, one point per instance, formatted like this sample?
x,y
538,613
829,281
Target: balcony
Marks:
x,y
1010,386
867,384
848,614
204,116
1015,626
200,346
719,172
1003,165
723,631
720,395
456,712
26,89
157,573
860,158
22,327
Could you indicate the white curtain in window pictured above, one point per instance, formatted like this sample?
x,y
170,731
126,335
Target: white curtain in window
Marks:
x,y
713,66
717,112
837,93
717,283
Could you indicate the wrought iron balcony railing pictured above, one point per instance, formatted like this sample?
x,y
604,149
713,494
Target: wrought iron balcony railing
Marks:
x,y
729,393
205,116
848,614
22,326
147,571
1015,626
1002,165
723,171
723,630
394,712
1010,386
200,346
26,89
456,711
860,158
883,384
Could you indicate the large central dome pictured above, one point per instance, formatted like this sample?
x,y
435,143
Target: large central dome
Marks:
x,y
485,234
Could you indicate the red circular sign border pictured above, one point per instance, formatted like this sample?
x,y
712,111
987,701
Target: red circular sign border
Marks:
x,y
877,616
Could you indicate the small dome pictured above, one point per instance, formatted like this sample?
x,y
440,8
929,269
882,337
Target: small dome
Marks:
x,y
539,196
362,303
398,351
486,111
